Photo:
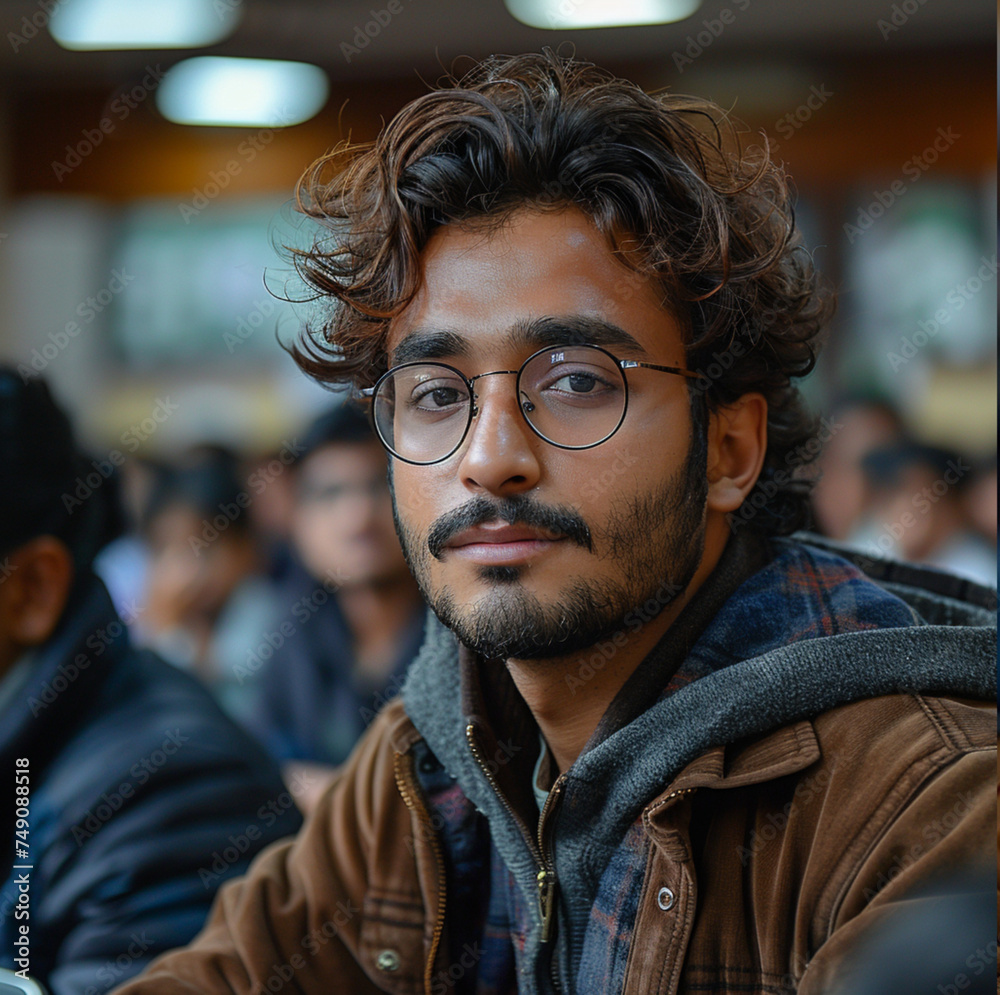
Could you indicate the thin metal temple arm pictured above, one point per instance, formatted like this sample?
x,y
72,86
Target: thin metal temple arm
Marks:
x,y
631,364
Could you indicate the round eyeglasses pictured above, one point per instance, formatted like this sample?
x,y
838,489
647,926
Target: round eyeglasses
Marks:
x,y
573,397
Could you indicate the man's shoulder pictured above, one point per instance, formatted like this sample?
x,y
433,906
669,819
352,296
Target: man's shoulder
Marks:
x,y
899,777
895,732
939,596
876,756
867,745
843,778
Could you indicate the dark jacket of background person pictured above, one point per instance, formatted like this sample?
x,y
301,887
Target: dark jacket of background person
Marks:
x,y
312,705
352,614
144,799
142,796
824,750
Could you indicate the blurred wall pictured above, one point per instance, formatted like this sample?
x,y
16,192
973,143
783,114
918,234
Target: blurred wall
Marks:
x,y
864,117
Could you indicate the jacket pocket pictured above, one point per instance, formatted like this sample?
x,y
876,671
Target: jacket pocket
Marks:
x,y
392,943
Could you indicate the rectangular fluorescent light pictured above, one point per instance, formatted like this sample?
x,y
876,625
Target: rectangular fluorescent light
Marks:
x,y
562,14
264,93
92,25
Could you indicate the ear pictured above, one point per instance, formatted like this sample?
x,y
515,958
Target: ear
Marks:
x,y
737,441
34,591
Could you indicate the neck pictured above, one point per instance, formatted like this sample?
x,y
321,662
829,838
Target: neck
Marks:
x,y
568,696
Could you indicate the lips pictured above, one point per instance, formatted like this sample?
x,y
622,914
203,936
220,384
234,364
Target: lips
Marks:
x,y
501,543
500,532
487,522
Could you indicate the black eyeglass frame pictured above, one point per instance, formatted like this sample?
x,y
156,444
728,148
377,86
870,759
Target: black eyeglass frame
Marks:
x,y
473,409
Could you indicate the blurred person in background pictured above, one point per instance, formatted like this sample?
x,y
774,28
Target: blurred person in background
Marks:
x,y
271,513
209,599
842,494
979,503
917,510
354,617
142,796
123,564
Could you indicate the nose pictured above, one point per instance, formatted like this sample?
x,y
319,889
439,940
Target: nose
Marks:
x,y
500,454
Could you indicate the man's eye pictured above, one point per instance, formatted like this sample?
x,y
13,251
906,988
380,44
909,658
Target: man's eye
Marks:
x,y
579,383
431,398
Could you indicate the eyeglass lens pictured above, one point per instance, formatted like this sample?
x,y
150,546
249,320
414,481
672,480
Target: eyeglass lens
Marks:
x,y
573,396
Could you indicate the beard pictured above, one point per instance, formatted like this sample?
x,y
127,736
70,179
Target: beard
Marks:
x,y
656,539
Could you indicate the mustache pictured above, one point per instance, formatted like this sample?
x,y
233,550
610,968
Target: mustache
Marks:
x,y
519,510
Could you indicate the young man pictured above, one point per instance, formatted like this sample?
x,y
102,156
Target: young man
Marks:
x,y
130,796
653,744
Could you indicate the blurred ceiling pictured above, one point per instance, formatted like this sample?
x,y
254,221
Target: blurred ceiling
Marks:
x,y
426,36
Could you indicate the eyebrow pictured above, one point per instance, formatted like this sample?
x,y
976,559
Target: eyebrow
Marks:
x,y
423,343
540,333
573,329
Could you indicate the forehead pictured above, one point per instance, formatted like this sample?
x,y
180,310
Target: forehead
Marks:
x,y
480,288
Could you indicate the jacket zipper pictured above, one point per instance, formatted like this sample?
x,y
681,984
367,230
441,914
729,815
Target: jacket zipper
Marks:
x,y
680,792
546,877
547,881
405,782
547,884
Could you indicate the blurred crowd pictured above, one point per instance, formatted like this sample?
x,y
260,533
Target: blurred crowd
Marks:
x,y
278,581
891,494
188,650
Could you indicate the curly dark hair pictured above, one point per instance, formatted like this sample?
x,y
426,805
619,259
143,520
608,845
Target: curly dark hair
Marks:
x,y
663,177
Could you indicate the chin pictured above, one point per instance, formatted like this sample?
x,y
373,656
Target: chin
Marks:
x,y
500,575
509,621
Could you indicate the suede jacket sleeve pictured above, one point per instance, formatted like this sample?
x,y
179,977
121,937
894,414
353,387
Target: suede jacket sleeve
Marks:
x,y
931,835
309,916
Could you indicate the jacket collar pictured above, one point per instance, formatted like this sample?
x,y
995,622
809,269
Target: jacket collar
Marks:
x,y
785,751
502,724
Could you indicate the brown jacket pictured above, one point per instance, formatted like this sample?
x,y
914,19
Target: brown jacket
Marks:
x,y
772,856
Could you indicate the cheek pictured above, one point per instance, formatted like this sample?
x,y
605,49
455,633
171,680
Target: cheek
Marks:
x,y
417,492
597,487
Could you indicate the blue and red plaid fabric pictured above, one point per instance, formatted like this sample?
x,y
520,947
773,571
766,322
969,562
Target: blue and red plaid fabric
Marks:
x,y
803,593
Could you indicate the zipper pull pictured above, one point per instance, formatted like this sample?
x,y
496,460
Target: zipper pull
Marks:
x,y
546,901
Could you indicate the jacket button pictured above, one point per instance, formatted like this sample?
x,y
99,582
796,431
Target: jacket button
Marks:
x,y
387,960
665,898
